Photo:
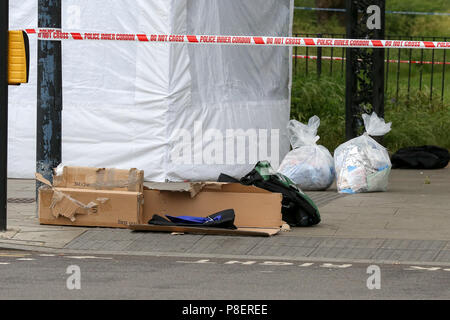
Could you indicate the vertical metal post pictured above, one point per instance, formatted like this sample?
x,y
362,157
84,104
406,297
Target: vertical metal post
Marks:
x,y
319,58
307,59
409,72
388,59
4,27
331,62
295,61
421,67
351,82
49,93
378,60
364,67
432,73
443,74
398,75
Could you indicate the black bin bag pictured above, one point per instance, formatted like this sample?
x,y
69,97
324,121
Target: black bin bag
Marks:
x,y
424,157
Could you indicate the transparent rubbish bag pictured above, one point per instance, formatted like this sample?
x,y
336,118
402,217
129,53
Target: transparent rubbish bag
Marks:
x,y
362,164
309,165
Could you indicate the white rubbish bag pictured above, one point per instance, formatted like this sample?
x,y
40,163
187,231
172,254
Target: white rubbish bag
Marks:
x,y
308,165
362,164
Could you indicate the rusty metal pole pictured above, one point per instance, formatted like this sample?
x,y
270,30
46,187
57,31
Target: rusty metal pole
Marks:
x,y
49,93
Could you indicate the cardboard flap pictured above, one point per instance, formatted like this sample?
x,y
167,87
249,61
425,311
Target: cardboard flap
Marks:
x,y
100,179
194,188
64,205
40,178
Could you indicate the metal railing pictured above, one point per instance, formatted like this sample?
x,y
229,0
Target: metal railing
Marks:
x,y
406,70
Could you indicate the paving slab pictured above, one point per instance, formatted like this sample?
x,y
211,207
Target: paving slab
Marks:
x,y
429,213
413,244
411,222
373,233
419,223
343,253
337,207
322,230
395,250
406,255
49,238
224,245
280,251
8,234
443,256
352,243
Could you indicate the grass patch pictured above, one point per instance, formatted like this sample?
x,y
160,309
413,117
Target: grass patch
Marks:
x,y
416,121
412,78
396,24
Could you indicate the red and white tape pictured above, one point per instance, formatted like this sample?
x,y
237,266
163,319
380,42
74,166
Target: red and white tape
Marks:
x,y
58,35
390,61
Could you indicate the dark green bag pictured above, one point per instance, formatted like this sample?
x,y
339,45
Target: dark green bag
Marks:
x,y
298,209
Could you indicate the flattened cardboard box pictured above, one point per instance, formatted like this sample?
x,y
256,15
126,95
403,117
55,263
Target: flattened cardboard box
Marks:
x,y
257,211
100,179
89,208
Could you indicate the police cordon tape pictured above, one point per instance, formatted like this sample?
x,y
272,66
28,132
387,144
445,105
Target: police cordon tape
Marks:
x,y
60,35
390,61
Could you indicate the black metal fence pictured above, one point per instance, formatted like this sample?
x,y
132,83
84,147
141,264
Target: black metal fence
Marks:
x,y
407,70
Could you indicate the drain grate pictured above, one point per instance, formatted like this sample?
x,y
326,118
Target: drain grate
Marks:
x,y
21,200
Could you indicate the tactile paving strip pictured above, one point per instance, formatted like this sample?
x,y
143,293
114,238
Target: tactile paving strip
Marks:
x,y
280,246
322,198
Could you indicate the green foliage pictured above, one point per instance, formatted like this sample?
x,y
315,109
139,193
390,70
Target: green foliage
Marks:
x,y
415,121
396,24
325,98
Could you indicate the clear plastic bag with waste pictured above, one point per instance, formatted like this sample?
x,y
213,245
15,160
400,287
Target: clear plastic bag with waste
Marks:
x,y
362,164
309,165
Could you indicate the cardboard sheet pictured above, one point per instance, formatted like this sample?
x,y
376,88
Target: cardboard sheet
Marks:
x,y
253,207
257,232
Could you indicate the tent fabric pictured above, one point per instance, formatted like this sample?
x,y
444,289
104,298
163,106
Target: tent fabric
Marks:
x,y
179,112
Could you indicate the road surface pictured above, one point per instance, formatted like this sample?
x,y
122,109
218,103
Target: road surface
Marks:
x,y
33,275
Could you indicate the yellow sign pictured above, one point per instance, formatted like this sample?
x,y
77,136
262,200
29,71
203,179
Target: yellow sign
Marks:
x,y
18,58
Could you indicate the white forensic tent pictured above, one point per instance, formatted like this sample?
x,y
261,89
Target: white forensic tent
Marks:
x,y
177,111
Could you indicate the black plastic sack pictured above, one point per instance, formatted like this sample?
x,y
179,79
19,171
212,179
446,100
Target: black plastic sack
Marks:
x,y
424,157
223,219
298,210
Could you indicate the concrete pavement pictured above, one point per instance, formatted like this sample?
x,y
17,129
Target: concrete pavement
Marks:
x,y
410,223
